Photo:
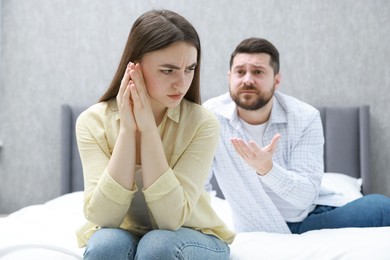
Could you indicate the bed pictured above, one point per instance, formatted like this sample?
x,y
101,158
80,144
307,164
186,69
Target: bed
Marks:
x,y
47,231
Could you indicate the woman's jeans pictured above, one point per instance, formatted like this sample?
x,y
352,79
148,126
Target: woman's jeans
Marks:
x,y
368,211
184,243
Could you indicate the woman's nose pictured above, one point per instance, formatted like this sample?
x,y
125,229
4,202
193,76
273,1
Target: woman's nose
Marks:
x,y
180,81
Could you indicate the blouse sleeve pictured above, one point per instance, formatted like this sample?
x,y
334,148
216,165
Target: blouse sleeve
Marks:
x,y
173,197
102,194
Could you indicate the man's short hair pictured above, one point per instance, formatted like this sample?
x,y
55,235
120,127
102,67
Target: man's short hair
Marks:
x,y
258,45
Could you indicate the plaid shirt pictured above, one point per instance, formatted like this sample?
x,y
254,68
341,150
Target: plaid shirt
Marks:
x,y
288,191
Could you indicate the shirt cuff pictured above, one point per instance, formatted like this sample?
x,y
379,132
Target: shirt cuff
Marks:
x,y
114,191
162,186
275,177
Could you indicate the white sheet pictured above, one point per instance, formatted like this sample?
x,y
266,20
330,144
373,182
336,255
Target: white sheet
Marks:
x,y
47,231
44,231
346,244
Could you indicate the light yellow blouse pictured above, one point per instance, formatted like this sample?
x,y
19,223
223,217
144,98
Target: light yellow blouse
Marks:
x,y
189,134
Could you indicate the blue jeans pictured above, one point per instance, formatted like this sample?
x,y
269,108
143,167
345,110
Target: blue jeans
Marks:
x,y
368,211
184,243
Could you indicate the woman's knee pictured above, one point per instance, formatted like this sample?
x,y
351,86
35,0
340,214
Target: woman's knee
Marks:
x,y
181,244
158,244
111,243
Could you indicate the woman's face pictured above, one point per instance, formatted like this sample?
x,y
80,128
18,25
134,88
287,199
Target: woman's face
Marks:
x,y
168,73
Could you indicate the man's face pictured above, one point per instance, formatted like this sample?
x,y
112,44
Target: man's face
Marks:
x,y
252,81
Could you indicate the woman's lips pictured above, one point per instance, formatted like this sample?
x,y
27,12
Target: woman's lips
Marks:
x,y
176,96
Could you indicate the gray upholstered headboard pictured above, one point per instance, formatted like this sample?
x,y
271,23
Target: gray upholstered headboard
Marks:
x,y
71,169
347,142
347,145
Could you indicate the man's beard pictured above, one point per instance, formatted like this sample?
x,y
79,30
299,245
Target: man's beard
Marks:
x,y
262,99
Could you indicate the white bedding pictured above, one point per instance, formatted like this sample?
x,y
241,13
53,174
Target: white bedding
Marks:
x,y
47,231
44,231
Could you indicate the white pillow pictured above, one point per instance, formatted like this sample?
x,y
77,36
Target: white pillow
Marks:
x,y
337,189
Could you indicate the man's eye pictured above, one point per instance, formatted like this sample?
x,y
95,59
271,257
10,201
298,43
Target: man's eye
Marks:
x,y
259,72
168,71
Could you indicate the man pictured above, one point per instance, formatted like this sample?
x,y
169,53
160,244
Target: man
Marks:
x,y
273,181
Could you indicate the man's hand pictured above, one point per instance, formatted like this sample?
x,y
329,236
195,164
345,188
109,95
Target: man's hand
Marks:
x,y
260,159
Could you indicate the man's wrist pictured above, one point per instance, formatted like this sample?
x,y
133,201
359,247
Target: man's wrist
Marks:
x,y
265,170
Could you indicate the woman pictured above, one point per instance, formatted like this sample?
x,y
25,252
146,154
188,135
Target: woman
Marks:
x,y
146,150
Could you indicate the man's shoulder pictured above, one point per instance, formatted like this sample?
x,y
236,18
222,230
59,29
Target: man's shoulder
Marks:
x,y
295,106
216,102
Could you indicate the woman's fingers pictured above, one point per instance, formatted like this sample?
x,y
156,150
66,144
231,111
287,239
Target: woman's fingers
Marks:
x,y
124,100
142,110
125,81
123,87
126,94
138,78
134,95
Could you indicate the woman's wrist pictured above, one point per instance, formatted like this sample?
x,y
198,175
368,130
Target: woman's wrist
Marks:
x,y
126,132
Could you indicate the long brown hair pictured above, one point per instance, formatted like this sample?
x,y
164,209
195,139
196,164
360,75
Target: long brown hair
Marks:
x,y
155,30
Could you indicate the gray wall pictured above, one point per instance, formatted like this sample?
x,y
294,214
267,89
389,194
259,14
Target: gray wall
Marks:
x,y
334,52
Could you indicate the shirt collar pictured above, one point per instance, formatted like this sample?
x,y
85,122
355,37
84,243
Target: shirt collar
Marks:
x,y
173,113
278,112
229,111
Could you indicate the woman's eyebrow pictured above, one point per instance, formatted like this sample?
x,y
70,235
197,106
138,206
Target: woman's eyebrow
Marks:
x,y
193,65
171,66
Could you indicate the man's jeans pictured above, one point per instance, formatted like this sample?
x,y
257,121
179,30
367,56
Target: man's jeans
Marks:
x,y
369,211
